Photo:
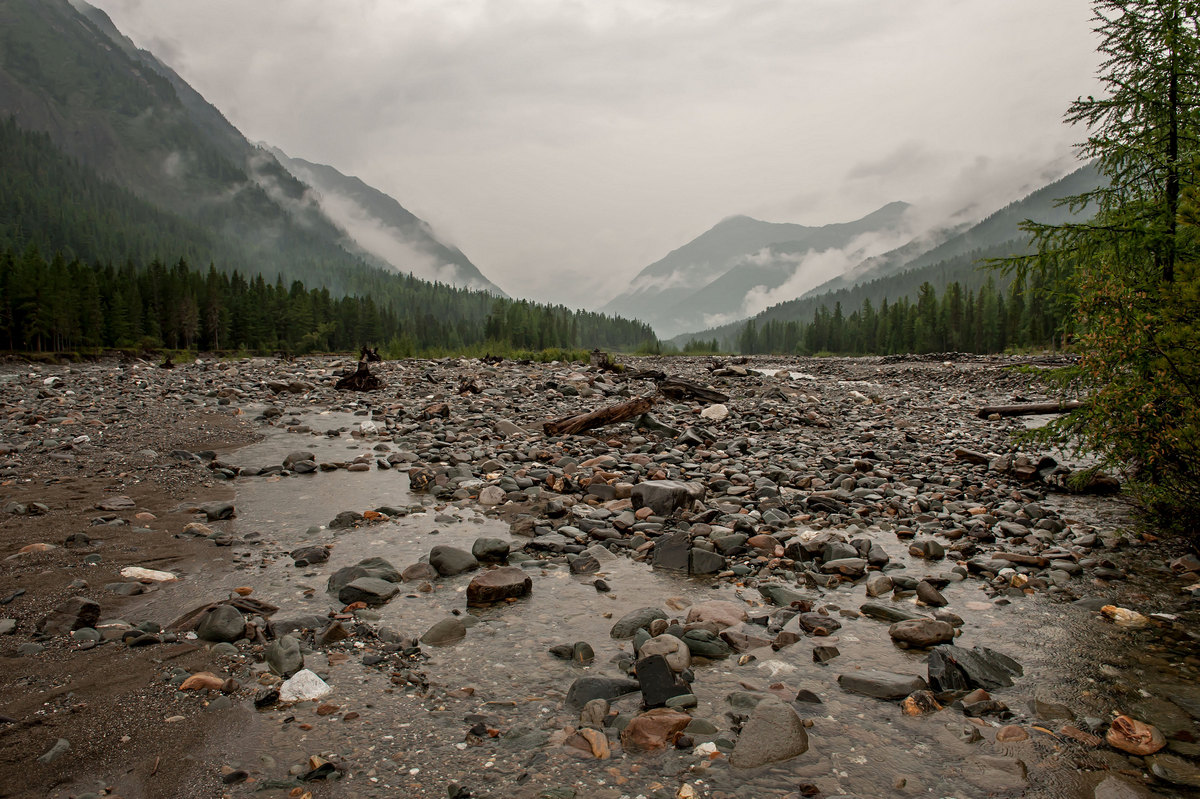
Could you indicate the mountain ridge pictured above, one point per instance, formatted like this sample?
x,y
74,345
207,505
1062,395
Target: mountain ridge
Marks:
x,y
676,288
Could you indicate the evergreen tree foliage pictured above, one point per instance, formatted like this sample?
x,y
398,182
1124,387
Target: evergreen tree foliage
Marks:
x,y
1130,275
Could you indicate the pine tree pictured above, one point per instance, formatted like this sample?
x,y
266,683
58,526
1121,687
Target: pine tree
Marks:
x,y
1133,265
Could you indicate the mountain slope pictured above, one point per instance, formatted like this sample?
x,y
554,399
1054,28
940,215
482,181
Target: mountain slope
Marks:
x,y
719,270
384,228
65,70
957,259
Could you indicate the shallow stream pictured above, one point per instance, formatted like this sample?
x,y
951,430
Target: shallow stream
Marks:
x,y
397,740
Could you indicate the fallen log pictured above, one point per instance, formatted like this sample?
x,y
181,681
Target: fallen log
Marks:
x,y
613,414
1029,408
679,389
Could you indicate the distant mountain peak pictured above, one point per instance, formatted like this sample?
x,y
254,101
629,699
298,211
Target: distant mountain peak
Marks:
x,y
728,271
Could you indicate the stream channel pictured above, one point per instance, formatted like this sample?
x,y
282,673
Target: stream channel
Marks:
x,y
412,739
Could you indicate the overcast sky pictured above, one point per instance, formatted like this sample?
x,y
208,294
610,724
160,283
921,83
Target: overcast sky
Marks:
x,y
566,144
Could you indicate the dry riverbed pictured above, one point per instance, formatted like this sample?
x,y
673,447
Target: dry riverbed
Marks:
x,y
836,580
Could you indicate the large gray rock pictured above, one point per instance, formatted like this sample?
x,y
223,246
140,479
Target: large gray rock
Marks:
x,y
585,689
663,497
222,623
706,644
218,511
283,656
370,590
490,550
879,584
780,595
952,668
450,561
773,733
881,684
369,567
71,614
701,561
920,633
447,631
671,551
878,610
847,567
635,620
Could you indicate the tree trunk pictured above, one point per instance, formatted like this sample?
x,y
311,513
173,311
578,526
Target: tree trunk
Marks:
x,y
1030,409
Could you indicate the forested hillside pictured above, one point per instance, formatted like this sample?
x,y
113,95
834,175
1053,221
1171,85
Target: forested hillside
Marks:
x,y
990,319
82,264
955,267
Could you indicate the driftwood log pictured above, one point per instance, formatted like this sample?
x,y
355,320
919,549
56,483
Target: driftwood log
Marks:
x,y
360,380
613,414
679,389
1030,408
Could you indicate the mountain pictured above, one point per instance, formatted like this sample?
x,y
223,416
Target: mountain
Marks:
x,y
733,269
384,228
956,258
125,196
67,71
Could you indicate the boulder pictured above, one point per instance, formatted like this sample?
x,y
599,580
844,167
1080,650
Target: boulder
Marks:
x,y
773,733
507,582
920,633
953,668
881,684
447,631
72,614
655,729
283,656
724,613
450,561
369,567
490,550
371,590
635,620
585,689
221,623
663,497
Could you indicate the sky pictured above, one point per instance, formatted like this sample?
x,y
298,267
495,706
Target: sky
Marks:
x,y
564,145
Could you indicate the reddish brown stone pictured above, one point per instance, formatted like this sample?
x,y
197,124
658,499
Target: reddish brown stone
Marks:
x,y
654,729
498,584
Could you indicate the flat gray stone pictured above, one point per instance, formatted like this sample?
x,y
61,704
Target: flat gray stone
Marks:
x,y
371,590
881,684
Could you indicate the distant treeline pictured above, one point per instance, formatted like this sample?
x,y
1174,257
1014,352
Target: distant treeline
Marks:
x,y
60,305
983,321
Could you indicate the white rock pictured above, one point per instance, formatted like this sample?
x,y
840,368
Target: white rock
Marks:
x,y
716,412
368,428
148,575
303,686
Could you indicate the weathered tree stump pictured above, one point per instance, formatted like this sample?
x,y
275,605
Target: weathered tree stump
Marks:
x,y
361,380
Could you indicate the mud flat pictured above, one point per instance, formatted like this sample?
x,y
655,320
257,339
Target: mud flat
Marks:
x,y
796,577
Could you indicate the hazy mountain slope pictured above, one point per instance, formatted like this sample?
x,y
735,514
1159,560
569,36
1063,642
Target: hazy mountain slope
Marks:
x,y
384,228
715,272
956,259
119,112
990,232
